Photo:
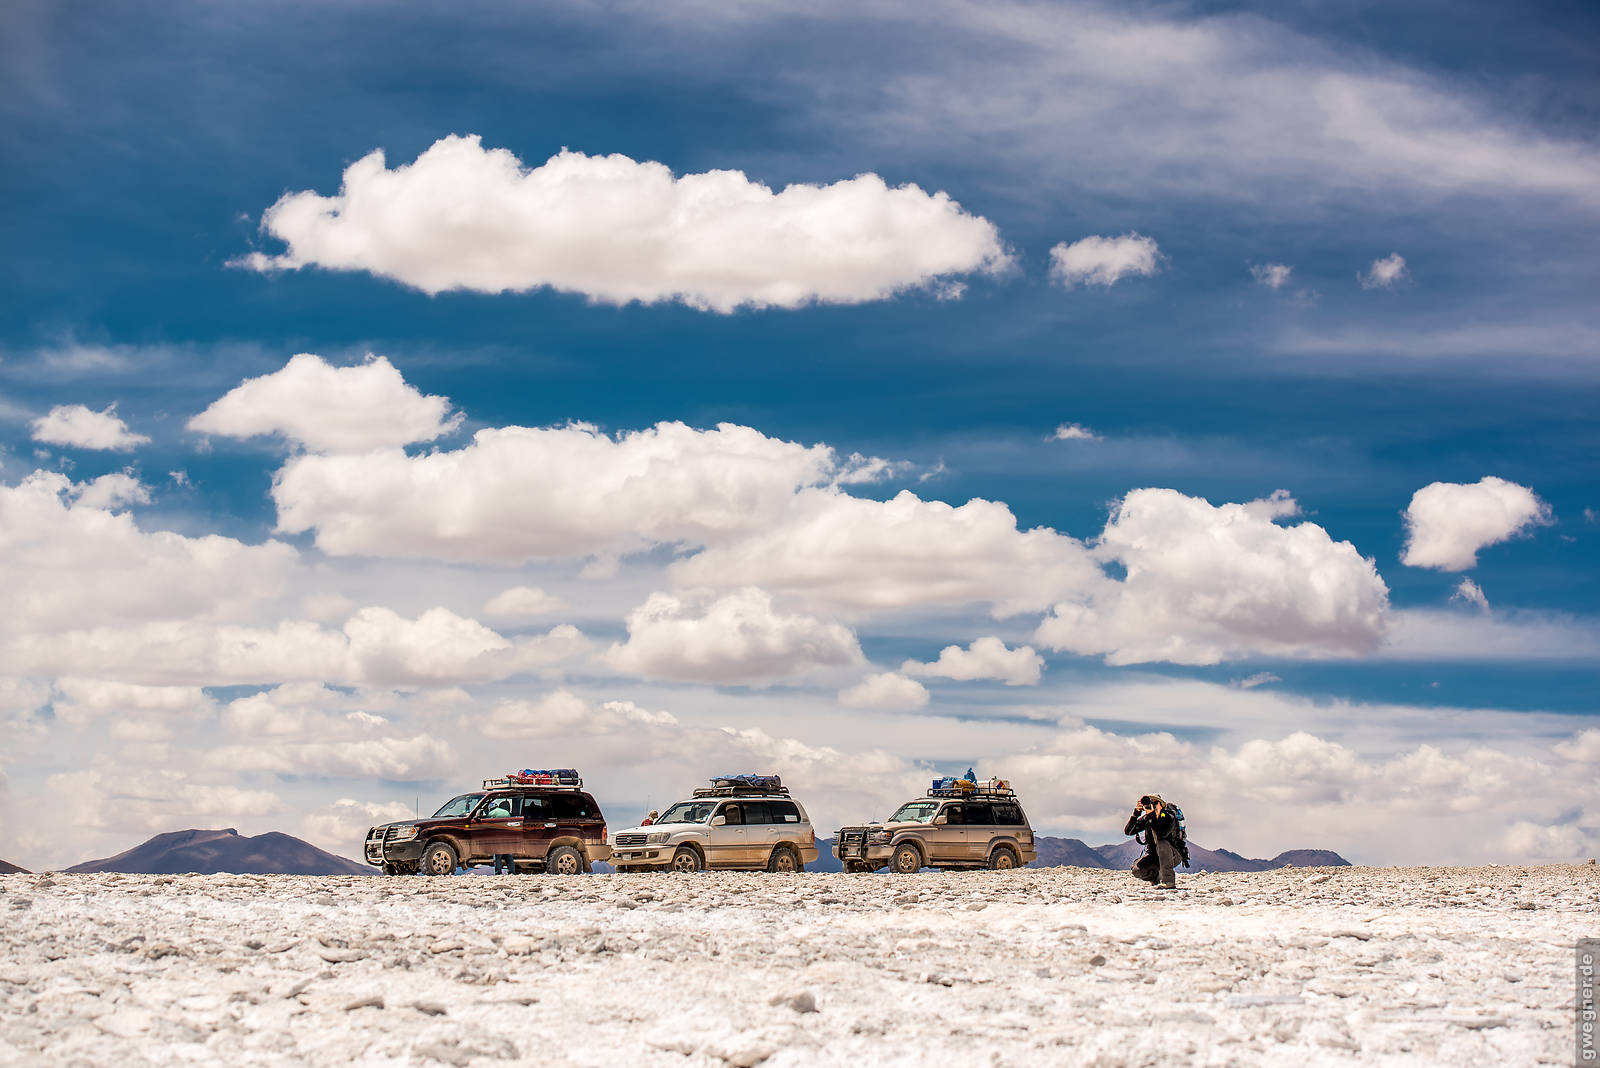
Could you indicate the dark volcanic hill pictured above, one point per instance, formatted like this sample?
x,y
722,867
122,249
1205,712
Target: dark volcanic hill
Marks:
x,y
211,852
1310,858
12,869
1066,852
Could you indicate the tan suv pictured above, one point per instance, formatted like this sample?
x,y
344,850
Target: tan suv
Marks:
x,y
959,825
739,822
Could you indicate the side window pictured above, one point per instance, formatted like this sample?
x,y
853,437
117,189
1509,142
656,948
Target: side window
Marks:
x,y
979,814
572,806
784,811
756,812
1007,815
733,815
953,815
536,807
501,808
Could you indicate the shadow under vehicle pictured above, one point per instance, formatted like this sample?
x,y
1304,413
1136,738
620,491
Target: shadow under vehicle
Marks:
x,y
543,820
961,825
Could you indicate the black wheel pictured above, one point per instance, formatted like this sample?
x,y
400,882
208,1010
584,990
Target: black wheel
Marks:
x,y
563,860
391,869
1003,859
784,859
439,859
687,858
906,860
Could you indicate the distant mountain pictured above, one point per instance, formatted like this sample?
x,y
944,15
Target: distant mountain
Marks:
x,y
1073,853
1310,858
211,852
12,869
825,861
1123,854
1066,853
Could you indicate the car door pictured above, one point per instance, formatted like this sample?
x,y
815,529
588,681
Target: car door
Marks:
x,y
497,825
538,827
760,834
727,845
978,821
947,841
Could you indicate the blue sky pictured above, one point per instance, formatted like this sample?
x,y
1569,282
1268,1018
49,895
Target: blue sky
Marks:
x,y
144,145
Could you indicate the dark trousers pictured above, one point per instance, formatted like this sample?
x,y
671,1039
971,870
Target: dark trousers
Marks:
x,y
1157,864
504,859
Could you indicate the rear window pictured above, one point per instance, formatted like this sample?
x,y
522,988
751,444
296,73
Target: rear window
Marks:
x,y
1007,814
572,806
784,811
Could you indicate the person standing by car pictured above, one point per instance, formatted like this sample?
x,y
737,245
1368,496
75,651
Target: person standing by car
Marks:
x,y
648,820
1161,825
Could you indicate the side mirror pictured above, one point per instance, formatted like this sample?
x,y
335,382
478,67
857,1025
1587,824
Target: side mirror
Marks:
x,y
941,818
718,821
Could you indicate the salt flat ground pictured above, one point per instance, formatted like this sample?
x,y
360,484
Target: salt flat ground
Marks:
x,y
1054,966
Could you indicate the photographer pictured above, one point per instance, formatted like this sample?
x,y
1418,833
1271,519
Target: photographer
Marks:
x,y
1163,841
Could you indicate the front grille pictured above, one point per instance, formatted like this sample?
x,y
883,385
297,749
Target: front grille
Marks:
x,y
853,838
631,839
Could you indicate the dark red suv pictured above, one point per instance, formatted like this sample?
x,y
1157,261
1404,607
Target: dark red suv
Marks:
x,y
544,821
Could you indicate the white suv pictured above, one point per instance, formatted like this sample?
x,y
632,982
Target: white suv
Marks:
x,y
745,822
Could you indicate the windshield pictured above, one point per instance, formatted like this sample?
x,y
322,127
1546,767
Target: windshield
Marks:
x,y
687,812
915,812
459,806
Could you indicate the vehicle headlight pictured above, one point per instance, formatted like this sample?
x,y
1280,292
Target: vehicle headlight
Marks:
x,y
878,838
405,834
658,837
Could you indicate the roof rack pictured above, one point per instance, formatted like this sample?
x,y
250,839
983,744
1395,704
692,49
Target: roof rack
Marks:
x,y
980,788
730,785
740,791
554,779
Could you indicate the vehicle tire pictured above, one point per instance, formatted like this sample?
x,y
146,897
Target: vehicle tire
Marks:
x,y
687,858
563,860
439,859
785,860
907,859
1004,858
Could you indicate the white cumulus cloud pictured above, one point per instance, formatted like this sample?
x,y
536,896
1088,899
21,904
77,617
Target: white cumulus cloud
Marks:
x,y
1384,272
68,560
330,409
1271,275
738,638
1469,592
1448,522
1205,583
522,602
985,658
517,493
850,554
618,230
1074,432
565,714
80,426
1103,261
888,690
